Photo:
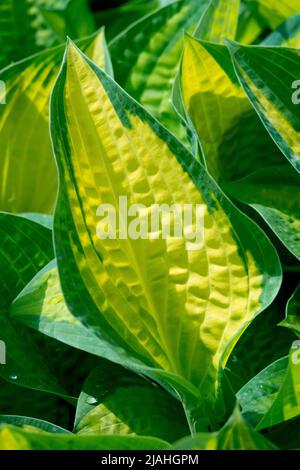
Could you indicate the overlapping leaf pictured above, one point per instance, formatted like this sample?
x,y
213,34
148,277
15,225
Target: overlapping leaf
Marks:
x,y
287,34
27,168
21,31
16,401
274,192
116,401
146,58
268,75
25,248
120,18
258,395
292,319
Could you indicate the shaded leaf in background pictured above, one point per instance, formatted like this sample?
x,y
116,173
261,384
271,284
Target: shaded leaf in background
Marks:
x,y
262,344
39,306
146,58
16,400
73,19
251,24
22,32
287,34
292,319
25,248
267,75
286,404
274,192
121,17
276,11
116,401
26,154
32,360
14,438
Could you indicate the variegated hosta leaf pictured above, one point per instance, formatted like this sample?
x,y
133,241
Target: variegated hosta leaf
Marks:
x,y
292,318
25,148
236,434
22,31
219,21
276,11
72,18
146,58
116,401
237,150
287,34
269,77
14,438
173,308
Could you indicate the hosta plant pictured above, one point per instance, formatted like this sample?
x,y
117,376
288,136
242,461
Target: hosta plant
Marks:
x,y
137,340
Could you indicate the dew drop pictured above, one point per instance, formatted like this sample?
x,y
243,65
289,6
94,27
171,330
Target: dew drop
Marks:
x,y
13,376
91,400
